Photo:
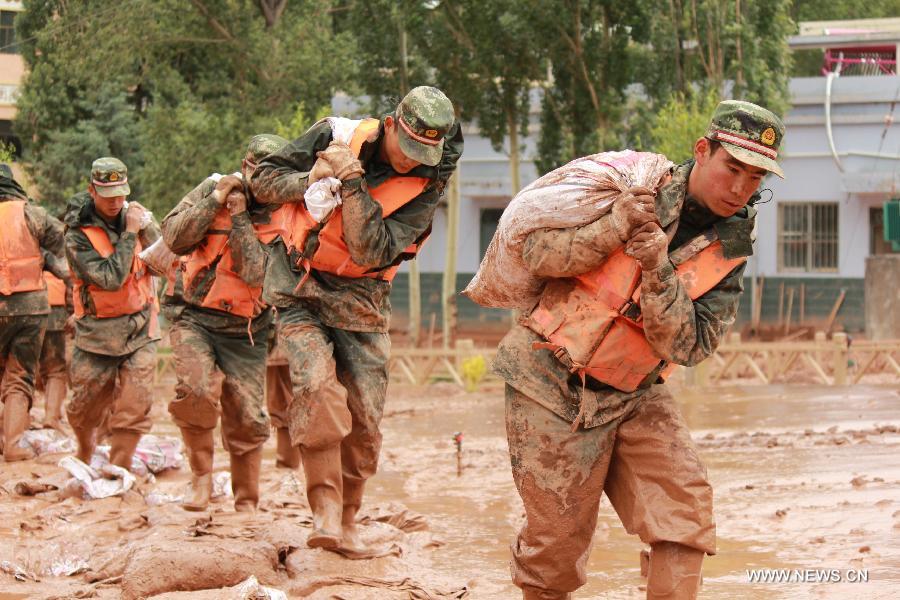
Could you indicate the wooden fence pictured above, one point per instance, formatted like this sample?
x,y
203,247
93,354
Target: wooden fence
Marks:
x,y
838,361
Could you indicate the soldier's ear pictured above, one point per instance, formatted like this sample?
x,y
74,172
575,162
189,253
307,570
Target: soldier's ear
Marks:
x,y
389,122
701,150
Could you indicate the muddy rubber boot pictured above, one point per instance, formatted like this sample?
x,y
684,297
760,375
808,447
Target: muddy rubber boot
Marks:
x,y
324,492
85,439
245,479
122,447
55,394
353,493
287,456
533,593
15,422
674,572
199,445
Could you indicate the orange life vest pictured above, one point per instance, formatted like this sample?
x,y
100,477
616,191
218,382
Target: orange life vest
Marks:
x,y
227,291
332,254
21,262
592,322
135,294
56,289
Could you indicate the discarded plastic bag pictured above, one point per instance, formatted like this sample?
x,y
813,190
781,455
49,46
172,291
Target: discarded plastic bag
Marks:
x,y
575,194
46,441
251,589
94,485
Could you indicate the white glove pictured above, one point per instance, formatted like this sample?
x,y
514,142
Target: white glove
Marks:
x,y
322,198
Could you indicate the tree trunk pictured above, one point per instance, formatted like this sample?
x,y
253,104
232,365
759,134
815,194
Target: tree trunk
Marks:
x,y
513,127
739,83
448,286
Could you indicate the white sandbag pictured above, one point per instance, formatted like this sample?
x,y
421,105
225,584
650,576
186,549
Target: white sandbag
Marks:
x,y
575,194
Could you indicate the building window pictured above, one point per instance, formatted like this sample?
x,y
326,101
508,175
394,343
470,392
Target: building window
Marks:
x,y
490,218
877,243
8,32
808,237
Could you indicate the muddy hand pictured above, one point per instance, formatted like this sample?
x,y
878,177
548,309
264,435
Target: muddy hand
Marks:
x,y
134,217
236,202
320,170
343,163
649,245
225,185
634,208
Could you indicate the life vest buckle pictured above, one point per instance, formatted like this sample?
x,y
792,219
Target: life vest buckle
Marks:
x,y
631,310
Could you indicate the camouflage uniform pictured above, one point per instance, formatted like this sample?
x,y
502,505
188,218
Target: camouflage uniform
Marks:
x,y
634,446
23,321
114,359
220,355
205,341
334,330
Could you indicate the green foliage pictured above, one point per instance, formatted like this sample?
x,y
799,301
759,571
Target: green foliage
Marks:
x,y
174,89
679,122
7,152
300,121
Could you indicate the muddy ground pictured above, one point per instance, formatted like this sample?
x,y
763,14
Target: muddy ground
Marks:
x,y
805,477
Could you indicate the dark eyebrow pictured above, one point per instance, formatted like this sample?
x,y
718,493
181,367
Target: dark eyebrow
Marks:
x,y
742,165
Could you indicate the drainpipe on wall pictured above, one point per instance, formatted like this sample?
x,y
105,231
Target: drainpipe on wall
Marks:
x,y
829,79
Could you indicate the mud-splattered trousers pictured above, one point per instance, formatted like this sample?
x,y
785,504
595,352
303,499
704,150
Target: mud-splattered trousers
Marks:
x,y
645,462
121,386
278,385
53,351
20,347
633,446
339,380
219,372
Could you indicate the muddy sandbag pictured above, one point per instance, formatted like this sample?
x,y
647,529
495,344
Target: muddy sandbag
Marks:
x,y
250,589
159,258
190,565
575,194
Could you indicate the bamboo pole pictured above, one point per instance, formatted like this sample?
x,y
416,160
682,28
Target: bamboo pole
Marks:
x,y
802,319
834,311
757,314
415,303
790,309
780,303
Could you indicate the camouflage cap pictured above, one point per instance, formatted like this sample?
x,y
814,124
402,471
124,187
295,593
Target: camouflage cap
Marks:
x,y
749,132
425,115
264,144
110,177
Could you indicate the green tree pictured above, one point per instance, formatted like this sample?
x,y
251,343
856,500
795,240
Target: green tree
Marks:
x,y
679,122
588,45
173,88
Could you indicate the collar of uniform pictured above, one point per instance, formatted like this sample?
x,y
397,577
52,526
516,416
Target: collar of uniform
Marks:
x,y
670,198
